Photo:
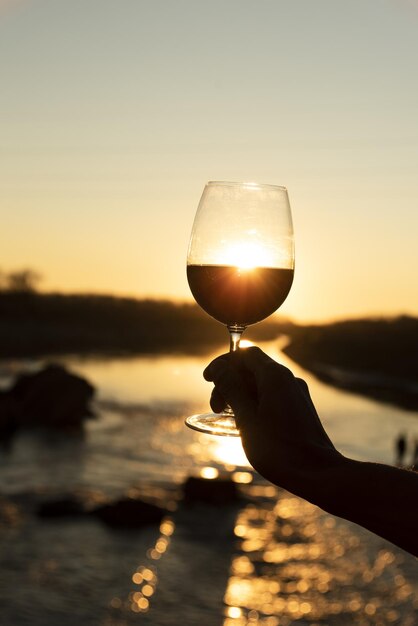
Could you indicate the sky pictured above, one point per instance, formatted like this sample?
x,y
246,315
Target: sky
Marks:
x,y
115,113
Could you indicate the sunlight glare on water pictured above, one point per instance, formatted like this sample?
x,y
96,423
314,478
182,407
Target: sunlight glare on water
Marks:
x,y
229,451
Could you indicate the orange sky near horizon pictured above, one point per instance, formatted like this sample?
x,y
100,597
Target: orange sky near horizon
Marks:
x,y
114,116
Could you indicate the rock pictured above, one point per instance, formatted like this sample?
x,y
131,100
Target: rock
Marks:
x,y
9,416
69,506
216,491
52,398
129,513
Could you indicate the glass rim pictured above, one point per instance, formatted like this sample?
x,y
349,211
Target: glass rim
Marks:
x,y
249,184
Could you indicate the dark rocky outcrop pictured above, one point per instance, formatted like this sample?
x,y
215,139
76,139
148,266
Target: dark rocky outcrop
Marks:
x,y
129,513
67,506
52,398
9,416
219,491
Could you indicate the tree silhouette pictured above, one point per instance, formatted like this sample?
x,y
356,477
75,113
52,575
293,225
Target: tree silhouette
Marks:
x,y
23,281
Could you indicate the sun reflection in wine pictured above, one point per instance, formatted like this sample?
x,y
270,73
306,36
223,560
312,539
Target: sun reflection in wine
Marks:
x,y
247,255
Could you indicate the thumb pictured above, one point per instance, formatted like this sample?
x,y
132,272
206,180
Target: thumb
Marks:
x,y
264,369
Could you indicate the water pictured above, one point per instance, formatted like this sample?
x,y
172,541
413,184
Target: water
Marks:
x,y
273,560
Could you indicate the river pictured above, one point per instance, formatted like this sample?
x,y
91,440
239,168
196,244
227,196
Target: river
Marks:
x,y
311,568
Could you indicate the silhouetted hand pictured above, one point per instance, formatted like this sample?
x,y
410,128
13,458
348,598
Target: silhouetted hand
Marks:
x,y
281,432
285,441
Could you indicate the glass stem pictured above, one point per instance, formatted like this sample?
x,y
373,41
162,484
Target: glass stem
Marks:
x,y
235,333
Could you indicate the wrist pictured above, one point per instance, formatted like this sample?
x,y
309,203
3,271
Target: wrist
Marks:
x,y
323,483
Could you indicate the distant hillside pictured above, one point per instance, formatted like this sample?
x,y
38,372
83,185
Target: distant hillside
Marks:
x,y
38,324
377,357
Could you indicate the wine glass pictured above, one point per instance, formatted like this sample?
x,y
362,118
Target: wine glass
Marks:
x,y
240,265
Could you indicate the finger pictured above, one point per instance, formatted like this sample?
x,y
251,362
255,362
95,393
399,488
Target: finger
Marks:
x,y
216,368
231,384
217,401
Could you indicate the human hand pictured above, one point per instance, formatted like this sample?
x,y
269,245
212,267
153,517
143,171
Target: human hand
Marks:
x,y
285,441
281,432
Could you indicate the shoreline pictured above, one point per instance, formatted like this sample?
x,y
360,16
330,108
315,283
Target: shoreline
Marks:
x,y
398,392
377,358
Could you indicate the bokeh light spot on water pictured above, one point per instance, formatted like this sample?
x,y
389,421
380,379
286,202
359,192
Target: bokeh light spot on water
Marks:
x,y
240,530
148,574
305,608
137,578
210,473
233,611
245,478
167,527
302,586
242,565
153,554
116,603
370,608
147,590
162,544
143,604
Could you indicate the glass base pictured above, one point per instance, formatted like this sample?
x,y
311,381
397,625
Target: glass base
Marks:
x,y
214,424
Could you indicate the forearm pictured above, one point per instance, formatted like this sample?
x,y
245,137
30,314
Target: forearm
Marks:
x,y
381,498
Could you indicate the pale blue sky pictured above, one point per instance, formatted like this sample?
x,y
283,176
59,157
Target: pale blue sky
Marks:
x,y
114,114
